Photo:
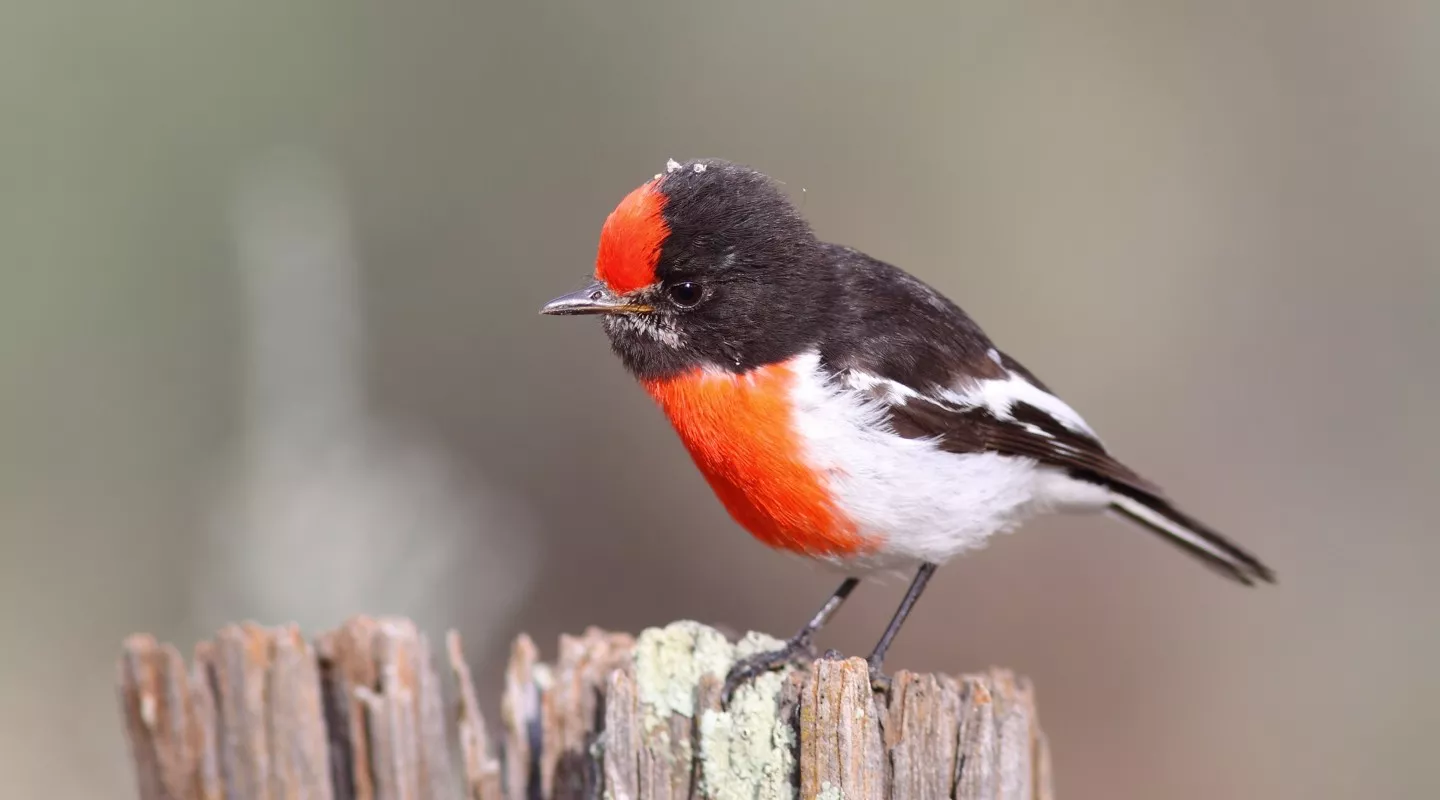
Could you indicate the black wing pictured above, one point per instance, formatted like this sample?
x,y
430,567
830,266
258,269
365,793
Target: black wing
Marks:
x,y
1030,431
939,377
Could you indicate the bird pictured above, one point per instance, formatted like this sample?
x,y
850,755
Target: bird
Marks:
x,y
839,407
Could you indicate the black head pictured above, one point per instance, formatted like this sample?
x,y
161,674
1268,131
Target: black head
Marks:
x,y
708,265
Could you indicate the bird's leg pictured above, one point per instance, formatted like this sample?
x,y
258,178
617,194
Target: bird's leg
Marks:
x,y
878,680
798,650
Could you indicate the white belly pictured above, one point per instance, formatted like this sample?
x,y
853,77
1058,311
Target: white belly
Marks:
x,y
923,503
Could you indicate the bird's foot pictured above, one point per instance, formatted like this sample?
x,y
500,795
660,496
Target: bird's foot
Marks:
x,y
799,651
879,681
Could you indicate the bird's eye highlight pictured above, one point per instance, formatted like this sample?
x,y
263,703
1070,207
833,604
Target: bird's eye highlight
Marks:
x,y
687,294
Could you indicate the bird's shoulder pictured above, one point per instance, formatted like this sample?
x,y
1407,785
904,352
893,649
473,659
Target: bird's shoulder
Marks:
x,y
889,322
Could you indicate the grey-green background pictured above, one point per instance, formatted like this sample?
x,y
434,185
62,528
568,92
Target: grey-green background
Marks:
x,y
1212,226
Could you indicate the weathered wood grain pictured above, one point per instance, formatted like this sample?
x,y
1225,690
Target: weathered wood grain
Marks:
x,y
480,767
162,721
569,712
360,713
922,735
525,679
841,749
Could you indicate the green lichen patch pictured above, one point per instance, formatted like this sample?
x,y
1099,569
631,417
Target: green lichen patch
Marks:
x,y
746,752
669,663
753,643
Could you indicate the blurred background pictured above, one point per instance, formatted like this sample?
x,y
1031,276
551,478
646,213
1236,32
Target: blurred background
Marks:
x,y
269,348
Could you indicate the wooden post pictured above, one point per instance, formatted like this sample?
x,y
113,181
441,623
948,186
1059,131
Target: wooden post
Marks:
x,y
358,715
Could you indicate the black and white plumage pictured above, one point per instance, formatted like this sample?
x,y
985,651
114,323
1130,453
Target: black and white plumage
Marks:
x,y
839,407
928,372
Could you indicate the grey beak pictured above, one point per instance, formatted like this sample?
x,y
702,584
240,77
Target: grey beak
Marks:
x,y
593,299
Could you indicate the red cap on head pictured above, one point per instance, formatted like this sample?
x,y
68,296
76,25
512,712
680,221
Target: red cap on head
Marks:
x,y
631,239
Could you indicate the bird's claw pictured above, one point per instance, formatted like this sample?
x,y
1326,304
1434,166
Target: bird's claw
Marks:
x,y
799,651
879,681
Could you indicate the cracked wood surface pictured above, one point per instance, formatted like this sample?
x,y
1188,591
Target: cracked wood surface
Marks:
x,y
362,713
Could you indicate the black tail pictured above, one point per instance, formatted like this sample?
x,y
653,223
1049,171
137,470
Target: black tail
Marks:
x,y
1190,534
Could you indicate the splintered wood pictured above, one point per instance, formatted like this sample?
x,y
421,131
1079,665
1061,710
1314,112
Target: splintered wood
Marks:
x,y
358,713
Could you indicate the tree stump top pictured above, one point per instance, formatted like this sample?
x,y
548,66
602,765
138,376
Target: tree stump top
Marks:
x,y
358,713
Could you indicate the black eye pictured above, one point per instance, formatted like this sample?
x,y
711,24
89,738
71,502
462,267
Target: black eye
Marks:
x,y
687,294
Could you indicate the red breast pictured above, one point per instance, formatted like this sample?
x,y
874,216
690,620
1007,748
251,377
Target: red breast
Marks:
x,y
739,431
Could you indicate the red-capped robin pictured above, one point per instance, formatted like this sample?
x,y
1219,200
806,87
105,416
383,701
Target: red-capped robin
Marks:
x,y
839,407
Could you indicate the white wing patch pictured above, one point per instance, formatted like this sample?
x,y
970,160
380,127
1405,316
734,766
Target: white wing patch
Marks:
x,y
1036,430
884,388
999,396
996,395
